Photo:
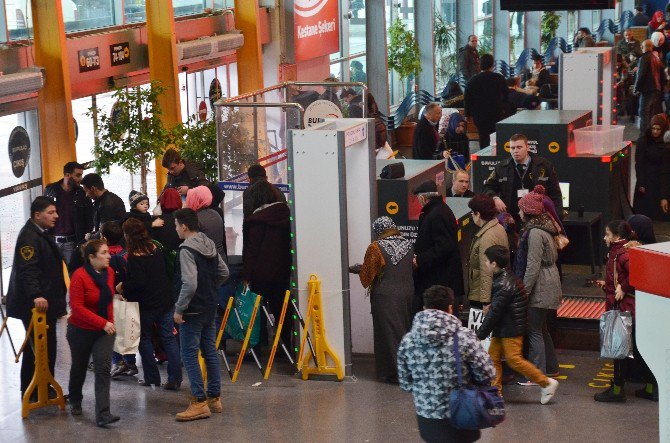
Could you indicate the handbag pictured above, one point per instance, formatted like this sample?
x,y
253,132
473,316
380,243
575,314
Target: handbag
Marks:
x,y
474,407
127,324
244,303
616,329
561,241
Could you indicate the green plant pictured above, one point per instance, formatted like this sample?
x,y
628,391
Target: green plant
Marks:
x,y
196,141
403,52
446,55
132,134
548,27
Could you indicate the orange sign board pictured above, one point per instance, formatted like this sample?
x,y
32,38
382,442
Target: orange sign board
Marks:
x,y
316,29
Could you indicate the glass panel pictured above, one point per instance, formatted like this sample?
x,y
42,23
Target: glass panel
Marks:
x,y
483,8
85,134
135,11
19,19
358,70
188,7
336,70
516,35
357,27
87,14
484,30
446,53
597,15
404,10
572,25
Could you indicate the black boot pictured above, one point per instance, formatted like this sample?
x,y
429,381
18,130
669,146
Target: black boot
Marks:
x,y
106,419
653,395
609,396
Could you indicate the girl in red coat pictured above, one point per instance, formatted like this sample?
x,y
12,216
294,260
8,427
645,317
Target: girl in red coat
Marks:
x,y
90,330
619,294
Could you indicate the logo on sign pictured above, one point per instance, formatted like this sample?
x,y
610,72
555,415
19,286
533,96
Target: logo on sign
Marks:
x,y
89,59
319,110
119,54
308,8
554,147
392,208
316,28
202,111
19,150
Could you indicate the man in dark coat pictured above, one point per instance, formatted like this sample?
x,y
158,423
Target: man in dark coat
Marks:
x,y
437,260
640,18
485,99
75,212
514,178
426,138
468,59
182,174
648,84
107,206
37,281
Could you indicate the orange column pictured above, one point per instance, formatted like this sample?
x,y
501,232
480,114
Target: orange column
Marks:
x,y
249,56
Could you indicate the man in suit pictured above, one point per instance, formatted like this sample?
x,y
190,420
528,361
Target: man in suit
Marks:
x,y
485,98
426,138
460,186
648,84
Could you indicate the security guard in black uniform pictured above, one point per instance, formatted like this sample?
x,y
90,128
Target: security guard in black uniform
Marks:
x,y
37,280
516,177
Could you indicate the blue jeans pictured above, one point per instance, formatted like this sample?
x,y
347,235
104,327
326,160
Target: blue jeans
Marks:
x,y
198,333
128,358
165,323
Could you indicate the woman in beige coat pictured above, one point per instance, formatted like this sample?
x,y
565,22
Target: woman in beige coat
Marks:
x,y
490,233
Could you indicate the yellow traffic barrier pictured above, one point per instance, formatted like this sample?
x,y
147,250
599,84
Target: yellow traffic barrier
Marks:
x,y
277,335
219,336
42,377
322,349
247,337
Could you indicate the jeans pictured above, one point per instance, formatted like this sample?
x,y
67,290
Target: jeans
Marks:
x,y
66,250
512,348
28,360
434,430
165,323
650,104
83,344
128,358
540,345
198,333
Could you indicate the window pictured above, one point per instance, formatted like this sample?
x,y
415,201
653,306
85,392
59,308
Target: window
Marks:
x,y
572,26
353,39
403,10
516,35
597,15
19,19
484,25
80,15
446,53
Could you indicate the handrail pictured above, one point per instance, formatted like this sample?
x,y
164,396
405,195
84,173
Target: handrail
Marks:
x,y
286,84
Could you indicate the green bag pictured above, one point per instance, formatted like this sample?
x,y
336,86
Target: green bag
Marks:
x,y
170,257
244,302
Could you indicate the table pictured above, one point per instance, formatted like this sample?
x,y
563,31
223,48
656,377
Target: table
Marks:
x,y
592,224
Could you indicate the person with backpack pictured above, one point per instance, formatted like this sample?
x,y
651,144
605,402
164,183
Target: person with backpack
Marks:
x,y
147,282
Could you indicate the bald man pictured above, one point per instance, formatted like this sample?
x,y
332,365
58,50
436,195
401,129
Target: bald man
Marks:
x,y
648,84
426,138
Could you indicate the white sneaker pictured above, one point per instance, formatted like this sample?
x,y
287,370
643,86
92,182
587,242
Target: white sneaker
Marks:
x,y
549,391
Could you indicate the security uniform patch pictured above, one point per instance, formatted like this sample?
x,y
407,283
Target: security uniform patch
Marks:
x,y
27,252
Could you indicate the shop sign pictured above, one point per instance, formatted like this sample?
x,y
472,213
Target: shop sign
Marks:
x,y
89,59
119,54
316,29
19,150
319,110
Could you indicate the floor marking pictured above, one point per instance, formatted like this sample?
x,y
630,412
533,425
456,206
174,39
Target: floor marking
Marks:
x,y
566,366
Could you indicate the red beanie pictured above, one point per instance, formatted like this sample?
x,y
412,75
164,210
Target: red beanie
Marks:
x,y
170,200
532,203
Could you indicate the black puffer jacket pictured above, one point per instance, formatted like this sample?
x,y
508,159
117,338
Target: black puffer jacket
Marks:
x,y
509,309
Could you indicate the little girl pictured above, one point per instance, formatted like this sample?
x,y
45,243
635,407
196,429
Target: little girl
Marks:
x,y
619,294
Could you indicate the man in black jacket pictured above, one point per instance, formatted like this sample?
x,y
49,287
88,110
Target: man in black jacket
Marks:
x,y
437,260
648,84
506,319
460,186
426,138
107,206
75,212
468,59
640,18
485,99
37,281
182,174
514,178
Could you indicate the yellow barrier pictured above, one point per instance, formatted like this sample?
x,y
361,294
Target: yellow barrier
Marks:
x,y
277,335
247,337
43,376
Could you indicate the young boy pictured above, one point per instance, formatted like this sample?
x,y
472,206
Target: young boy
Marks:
x,y
507,320
139,209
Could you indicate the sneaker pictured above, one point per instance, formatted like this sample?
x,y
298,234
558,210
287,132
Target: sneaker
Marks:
x,y
131,369
195,411
75,408
119,369
214,404
172,385
107,419
609,396
549,391
642,393
90,366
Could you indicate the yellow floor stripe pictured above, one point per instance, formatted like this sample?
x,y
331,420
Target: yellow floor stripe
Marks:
x,y
561,377
567,366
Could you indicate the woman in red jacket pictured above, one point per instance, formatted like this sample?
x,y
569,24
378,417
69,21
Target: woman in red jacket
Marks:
x,y
91,330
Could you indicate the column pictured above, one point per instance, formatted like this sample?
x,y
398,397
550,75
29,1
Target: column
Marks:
x,y
377,63
532,32
249,56
466,23
424,17
501,32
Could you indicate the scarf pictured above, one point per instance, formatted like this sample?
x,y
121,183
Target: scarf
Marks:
x,y
390,239
100,280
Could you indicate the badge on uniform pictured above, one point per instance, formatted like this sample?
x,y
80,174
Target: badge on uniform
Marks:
x,y
27,252
522,193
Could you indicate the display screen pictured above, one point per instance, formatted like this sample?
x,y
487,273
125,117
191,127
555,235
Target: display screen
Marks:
x,y
554,5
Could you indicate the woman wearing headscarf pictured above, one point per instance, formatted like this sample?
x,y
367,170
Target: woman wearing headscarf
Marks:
x,y
455,137
387,274
652,161
200,199
643,227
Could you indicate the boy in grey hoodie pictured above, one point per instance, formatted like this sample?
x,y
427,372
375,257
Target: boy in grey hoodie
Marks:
x,y
199,272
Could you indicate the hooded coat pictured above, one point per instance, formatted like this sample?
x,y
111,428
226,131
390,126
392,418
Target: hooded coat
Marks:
x,y
541,279
618,261
426,361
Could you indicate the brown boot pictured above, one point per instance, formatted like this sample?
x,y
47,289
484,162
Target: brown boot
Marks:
x,y
214,404
195,411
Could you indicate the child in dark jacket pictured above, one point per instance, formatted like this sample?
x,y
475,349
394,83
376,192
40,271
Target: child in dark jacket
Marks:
x,y
506,319
139,209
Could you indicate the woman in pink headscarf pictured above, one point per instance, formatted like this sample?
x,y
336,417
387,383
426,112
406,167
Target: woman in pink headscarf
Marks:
x,y
200,199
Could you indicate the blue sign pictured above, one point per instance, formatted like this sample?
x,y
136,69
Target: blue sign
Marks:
x,y
241,186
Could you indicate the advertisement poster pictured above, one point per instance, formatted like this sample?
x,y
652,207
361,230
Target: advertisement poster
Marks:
x,y
316,28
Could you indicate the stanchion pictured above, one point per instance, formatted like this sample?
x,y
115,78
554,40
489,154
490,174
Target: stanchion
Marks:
x,y
3,327
247,337
42,377
277,336
219,336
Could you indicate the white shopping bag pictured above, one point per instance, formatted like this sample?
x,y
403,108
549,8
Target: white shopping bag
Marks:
x,y
127,323
475,320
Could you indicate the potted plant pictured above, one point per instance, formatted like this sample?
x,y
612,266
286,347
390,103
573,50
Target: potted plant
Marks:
x,y
132,134
548,27
196,140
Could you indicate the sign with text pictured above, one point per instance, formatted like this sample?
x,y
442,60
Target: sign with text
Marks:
x,y
316,28
319,110
19,150
475,320
119,54
356,134
89,59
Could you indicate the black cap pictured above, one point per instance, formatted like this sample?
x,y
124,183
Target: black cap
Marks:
x,y
427,186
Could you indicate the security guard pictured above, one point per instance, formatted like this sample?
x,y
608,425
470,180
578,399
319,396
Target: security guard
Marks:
x,y
37,280
516,177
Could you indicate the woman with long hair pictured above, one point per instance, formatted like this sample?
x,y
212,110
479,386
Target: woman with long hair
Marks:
x,y
90,330
652,161
148,284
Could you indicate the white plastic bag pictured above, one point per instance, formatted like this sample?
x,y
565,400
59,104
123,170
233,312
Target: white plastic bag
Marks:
x,y
127,323
616,329
475,320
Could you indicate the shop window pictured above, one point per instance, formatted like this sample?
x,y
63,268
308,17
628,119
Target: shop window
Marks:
x,y
79,15
516,35
19,19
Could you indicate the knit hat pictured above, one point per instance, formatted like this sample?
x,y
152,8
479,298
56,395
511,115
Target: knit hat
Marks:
x,y
532,203
135,197
199,198
171,200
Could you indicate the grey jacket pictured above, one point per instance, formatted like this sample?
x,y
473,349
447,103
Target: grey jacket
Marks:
x,y
211,225
189,270
541,279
